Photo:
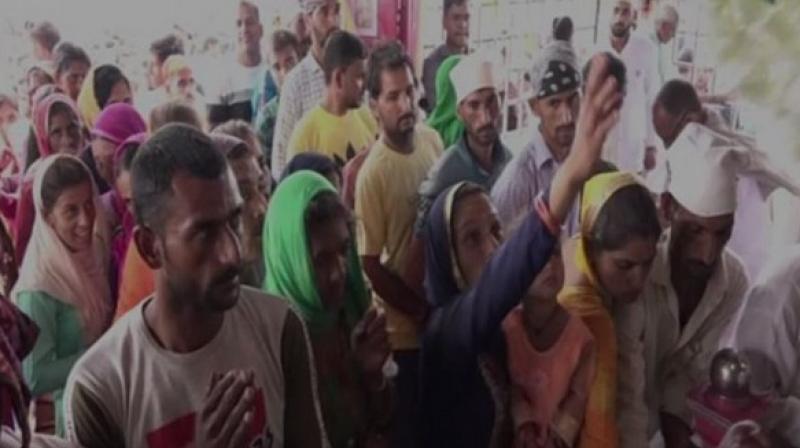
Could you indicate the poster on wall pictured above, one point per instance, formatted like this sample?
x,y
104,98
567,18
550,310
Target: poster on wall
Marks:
x,y
365,16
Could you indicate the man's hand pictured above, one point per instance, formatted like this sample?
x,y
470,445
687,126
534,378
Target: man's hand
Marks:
x,y
370,342
650,158
227,411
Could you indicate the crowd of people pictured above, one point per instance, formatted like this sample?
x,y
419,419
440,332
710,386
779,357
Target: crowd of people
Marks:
x,y
326,250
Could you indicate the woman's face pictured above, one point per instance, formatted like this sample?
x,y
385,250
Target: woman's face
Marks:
x,y
72,216
103,152
476,234
329,243
623,272
64,132
71,80
120,93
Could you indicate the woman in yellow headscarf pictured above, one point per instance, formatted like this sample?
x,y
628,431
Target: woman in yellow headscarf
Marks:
x,y
104,86
613,256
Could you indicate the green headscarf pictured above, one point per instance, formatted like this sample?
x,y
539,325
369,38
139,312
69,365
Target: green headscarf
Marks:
x,y
290,273
444,118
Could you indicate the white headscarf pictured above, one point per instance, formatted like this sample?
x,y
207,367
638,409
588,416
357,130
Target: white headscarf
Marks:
x,y
78,278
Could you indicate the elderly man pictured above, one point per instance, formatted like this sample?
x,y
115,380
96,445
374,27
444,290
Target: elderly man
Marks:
x,y
556,102
697,283
479,156
665,25
676,106
632,143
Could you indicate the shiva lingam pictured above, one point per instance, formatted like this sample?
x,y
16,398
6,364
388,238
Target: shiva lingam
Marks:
x,y
727,400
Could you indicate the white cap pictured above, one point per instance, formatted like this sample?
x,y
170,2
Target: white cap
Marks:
x,y
705,167
473,73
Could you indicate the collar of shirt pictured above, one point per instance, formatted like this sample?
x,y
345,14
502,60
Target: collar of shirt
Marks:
x,y
499,152
310,64
541,152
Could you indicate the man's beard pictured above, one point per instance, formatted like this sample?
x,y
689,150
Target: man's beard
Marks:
x,y
620,32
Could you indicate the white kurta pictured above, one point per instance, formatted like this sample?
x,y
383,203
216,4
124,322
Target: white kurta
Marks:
x,y
767,331
678,359
627,141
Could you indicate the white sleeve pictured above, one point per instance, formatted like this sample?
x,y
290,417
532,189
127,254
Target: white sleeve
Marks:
x,y
288,116
651,86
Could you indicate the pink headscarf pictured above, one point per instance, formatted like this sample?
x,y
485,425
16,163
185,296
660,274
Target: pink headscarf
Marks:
x,y
121,240
117,122
41,120
77,278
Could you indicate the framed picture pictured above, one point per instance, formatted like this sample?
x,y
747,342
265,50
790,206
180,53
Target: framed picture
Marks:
x,y
365,16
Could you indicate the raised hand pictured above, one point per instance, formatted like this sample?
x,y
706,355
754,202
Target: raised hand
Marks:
x,y
599,113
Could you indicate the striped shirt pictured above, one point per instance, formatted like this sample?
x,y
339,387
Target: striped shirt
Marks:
x,y
303,89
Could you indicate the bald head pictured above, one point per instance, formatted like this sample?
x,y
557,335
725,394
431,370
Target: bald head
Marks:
x,y
676,105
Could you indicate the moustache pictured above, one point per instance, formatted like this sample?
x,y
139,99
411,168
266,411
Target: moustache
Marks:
x,y
228,276
566,128
408,116
699,266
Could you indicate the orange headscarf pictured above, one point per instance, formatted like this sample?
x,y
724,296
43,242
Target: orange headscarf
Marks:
x,y
588,301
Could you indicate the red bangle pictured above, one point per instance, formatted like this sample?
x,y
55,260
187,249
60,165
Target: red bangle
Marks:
x,y
547,218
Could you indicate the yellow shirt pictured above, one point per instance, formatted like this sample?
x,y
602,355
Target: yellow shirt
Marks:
x,y
338,137
386,207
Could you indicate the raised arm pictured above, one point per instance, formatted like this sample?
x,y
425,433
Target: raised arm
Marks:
x,y
466,326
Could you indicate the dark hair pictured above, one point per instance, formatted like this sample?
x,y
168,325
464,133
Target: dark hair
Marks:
x,y
325,207
311,161
387,56
166,47
105,78
677,97
450,3
46,34
237,128
282,39
252,6
630,212
65,172
563,28
39,72
341,50
615,66
176,111
126,163
67,54
176,148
